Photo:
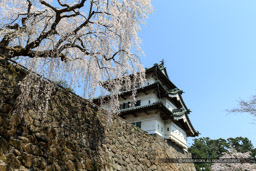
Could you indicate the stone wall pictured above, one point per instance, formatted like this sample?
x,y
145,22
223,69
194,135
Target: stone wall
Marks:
x,y
72,135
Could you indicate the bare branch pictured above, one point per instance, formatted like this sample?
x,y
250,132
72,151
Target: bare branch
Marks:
x,y
246,106
76,6
48,5
91,13
88,48
63,5
29,6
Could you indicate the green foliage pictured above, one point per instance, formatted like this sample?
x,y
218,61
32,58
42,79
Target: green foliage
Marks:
x,y
208,148
240,144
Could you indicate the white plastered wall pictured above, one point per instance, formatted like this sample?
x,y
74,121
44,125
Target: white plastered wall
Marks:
x,y
151,123
168,104
175,133
144,98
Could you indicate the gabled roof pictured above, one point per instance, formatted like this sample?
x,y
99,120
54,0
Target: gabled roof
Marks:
x,y
157,70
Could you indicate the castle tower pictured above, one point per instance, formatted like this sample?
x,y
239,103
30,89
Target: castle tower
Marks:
x,y
159,108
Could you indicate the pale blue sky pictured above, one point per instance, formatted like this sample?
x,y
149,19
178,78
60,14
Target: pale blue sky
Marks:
x,y
209,47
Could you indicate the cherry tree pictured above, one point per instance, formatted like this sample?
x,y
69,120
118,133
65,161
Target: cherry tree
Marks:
x,y
246,162
81,41
246,106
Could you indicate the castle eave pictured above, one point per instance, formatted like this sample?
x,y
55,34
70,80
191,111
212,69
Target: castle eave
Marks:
x,y
164,112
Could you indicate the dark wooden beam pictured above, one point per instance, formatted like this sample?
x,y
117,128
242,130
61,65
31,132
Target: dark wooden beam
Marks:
x,y
145,92
135,115
122,96
146,112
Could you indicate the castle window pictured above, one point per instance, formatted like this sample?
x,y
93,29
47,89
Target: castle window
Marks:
x,y
162,129
138,102
168,129
129,104
149,102
138,124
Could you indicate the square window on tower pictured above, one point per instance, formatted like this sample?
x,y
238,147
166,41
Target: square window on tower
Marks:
x,y
138,102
